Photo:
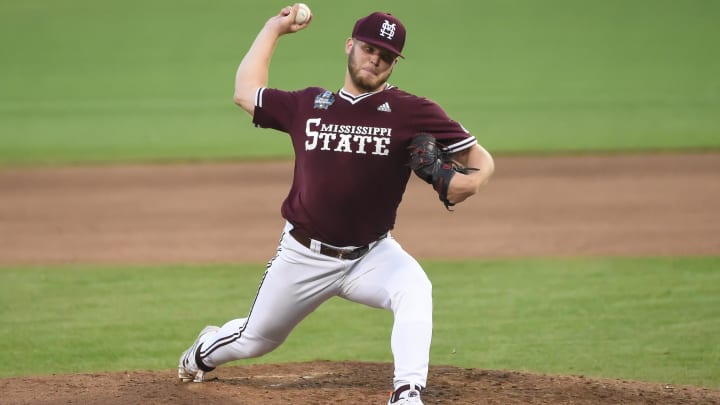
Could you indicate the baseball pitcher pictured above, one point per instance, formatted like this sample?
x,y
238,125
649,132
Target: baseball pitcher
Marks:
x,y
355,149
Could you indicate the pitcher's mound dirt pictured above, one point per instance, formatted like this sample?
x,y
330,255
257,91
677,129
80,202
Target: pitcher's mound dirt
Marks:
x,y
340,383
631,205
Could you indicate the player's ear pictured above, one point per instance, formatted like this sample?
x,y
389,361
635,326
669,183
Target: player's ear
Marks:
x,y
348,45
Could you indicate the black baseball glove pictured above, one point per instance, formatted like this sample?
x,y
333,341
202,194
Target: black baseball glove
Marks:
x,y
434,166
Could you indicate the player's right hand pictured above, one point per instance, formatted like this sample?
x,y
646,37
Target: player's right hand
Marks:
x,y
284,22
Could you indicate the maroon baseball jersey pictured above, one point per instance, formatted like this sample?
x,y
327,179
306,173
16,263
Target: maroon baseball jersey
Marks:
x,y
351,157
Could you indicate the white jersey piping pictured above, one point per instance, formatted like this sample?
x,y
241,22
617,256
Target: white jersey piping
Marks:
x,y
342,93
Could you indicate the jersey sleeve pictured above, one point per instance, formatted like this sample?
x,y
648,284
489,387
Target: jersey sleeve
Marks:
x,y
451,135
274,108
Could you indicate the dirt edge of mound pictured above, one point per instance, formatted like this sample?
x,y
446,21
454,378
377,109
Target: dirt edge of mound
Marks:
x,y
327,382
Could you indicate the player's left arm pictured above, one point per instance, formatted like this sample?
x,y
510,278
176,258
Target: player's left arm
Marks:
x,y
462,185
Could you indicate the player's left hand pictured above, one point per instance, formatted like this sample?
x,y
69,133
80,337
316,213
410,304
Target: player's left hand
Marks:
x,y
434,167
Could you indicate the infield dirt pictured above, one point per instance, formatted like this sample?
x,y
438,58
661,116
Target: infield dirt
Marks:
x,y
625,205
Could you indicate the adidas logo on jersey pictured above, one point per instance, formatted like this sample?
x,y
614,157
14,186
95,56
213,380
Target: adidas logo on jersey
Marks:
x,y
385,107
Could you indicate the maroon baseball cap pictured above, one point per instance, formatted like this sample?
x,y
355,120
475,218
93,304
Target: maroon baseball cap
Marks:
x,y
382,30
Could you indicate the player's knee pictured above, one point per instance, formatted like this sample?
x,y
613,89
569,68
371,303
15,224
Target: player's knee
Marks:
x,y
420,286
416,294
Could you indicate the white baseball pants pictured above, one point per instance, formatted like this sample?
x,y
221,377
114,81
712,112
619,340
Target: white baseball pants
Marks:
x,y
299,279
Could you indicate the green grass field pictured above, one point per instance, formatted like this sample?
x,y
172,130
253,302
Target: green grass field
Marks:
x,y
87,81
646,318
135,81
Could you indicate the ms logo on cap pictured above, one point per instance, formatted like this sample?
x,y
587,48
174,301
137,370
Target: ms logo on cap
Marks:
x,y
387,30
383,30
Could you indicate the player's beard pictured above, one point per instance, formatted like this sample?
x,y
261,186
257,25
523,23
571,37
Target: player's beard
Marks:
x,y
365,83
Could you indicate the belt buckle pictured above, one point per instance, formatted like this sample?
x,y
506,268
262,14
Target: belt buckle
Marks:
x,y
347,254
355,253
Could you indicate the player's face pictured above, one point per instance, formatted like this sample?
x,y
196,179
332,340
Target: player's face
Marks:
x,y
369,66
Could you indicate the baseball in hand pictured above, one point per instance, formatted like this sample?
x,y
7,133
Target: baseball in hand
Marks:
x,y
303,14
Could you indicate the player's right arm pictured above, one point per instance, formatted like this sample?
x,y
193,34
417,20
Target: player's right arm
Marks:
x,y
254,68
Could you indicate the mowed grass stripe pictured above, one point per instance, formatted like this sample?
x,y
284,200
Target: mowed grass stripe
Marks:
x,y
136,81
653,319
